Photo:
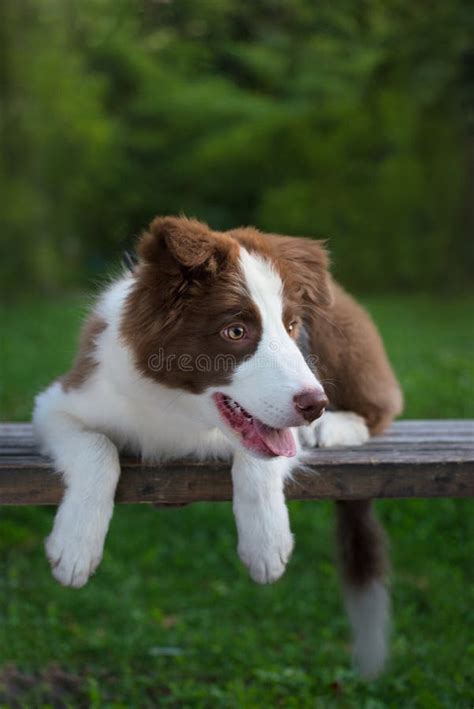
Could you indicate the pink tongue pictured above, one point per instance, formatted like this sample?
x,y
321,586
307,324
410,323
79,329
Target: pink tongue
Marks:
x,y
279,440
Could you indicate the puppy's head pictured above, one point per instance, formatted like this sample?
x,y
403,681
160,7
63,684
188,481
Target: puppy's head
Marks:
x,y
219,315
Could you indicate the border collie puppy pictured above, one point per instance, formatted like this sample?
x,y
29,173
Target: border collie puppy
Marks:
x,y
216,345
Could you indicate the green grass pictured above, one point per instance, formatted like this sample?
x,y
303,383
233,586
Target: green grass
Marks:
x,y
171,618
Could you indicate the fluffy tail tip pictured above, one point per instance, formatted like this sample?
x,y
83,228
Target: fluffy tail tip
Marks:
x,y
368,608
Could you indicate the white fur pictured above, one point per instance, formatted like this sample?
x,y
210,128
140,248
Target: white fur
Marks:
x,y
369,615
75,546
267,383
335,429
265,540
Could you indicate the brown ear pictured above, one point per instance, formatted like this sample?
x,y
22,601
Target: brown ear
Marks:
x,y
307,265
190,243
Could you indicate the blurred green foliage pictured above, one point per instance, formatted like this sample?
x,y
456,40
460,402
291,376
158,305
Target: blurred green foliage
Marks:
x,y
349,120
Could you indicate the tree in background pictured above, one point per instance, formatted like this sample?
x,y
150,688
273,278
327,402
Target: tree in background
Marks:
x,y
349,120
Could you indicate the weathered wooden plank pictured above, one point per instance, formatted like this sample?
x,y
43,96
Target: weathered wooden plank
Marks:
x,y
185,483
415,459
394,435
316,457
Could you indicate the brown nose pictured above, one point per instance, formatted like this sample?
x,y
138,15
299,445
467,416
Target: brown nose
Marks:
x,y
311,403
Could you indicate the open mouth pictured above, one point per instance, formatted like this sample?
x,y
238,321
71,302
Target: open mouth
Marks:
x,y
253,433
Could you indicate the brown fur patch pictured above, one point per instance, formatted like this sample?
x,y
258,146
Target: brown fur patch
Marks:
x,y
188,287
84,364
302,264
352,362
190,243
362,544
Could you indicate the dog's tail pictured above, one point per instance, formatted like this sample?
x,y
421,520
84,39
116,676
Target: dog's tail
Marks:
x,y
364,568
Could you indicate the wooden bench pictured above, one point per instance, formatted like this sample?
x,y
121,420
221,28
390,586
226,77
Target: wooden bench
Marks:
x,y
414,459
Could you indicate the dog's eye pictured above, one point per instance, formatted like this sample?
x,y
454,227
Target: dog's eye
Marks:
x,y
234,332
292,326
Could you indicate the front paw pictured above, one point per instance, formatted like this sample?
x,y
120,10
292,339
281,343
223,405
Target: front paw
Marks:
x,y
74,552
342,428
266,562
334,429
